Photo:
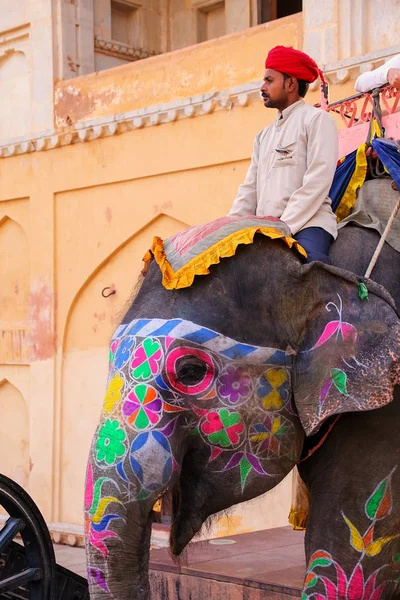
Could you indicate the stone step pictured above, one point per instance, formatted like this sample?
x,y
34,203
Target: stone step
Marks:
x,y
262,565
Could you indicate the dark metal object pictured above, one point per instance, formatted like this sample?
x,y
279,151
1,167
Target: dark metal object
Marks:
x,y
113,291
71,586
33,577
28,569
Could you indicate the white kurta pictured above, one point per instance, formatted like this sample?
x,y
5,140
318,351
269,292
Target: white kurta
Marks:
x,y
292,169
373,79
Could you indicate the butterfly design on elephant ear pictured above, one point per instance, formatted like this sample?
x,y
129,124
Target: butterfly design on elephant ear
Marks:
x,y
337,327
339,330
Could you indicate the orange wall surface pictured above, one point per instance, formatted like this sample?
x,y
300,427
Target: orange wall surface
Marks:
x,y
77,219
216,65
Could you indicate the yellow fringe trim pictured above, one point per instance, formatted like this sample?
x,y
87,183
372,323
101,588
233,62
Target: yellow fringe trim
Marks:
x,y
157,505
357,179
147,258
298,519
199,265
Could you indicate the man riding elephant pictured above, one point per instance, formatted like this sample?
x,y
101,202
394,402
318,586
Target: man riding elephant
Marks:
x,y
220,385
294,159
389,72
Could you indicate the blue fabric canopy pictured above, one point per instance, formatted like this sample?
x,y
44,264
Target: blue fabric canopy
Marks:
x,y
352,169
341,180
388,152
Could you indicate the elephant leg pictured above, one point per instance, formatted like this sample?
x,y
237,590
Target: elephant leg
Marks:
x,y
353,530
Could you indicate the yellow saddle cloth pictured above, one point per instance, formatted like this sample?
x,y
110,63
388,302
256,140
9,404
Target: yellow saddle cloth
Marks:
x,y
191,252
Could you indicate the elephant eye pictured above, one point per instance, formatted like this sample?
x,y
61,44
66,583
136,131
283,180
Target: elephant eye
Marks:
x,y
190,370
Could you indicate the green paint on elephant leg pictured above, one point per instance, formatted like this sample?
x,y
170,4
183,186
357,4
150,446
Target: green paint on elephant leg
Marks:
x,y
380,503
374,501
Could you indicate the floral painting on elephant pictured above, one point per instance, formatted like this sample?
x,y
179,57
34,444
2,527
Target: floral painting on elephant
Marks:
x,y
341,362
239,408
382,582
216,388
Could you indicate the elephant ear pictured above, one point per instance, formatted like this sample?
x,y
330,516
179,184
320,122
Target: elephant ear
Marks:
x,y
349,359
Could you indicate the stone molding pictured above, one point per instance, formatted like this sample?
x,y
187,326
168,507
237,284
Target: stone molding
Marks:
x,y
93,129
120,50
351,68
14,40
196,106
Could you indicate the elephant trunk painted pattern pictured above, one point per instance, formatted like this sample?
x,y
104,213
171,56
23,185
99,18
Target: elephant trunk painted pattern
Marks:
x,y
229,397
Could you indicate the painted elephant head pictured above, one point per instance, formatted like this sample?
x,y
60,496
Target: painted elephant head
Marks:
x,y
211,390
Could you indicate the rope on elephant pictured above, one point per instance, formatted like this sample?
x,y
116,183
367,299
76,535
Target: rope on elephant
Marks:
x,y
321,441
363,291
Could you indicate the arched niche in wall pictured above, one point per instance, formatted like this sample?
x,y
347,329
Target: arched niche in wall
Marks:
x,y
90,323
14,434
14,291
15,94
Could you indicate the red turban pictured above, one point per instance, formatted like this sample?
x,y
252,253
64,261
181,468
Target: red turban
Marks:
x,y
294,63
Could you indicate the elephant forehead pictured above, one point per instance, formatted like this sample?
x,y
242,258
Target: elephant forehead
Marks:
x,y
187,331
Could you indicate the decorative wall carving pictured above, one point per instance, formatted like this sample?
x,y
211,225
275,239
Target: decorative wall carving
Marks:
x,y
121,50
15,39
86,131
359,109
195,106
341,71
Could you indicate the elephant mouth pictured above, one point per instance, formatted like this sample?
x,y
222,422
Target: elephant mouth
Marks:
x,y
191,502
182,532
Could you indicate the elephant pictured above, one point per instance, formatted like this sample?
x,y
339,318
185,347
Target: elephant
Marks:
x,y
218,390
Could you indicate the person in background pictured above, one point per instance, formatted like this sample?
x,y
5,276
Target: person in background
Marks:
x,y
294,159
387,73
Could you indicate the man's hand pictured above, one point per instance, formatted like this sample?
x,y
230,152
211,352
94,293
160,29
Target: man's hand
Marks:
x,y
394,77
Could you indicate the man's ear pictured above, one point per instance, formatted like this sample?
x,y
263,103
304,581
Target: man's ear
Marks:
x,y
292,84
349,357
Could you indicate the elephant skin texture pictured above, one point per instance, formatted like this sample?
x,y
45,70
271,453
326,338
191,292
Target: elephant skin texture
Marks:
x,y
215,392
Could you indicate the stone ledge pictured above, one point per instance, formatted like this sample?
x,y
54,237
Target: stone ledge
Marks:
x,y
351,68
195,106
73,535
120,50
91,129
68,534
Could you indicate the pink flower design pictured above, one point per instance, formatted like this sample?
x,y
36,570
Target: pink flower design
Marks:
x,y
337,327
223,428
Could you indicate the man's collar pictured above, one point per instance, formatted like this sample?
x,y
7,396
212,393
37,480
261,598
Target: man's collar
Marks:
x,y
288,111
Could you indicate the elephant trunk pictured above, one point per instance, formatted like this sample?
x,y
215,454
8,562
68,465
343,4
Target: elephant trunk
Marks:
x,y
118,519
119,565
